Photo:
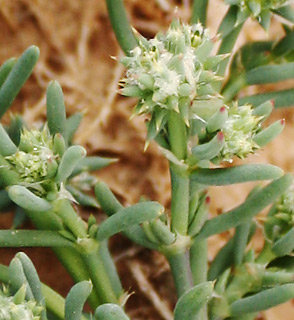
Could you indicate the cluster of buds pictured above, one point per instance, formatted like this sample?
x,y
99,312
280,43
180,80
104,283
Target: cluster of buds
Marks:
x,y
233,131
35,160
281,217
171,72
16,307
258,9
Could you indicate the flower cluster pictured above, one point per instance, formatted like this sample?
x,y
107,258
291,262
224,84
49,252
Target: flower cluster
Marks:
x,y
35,161
11,309
239,131
229,132
172,71
281,218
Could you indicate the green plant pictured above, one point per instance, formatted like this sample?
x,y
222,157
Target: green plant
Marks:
x,y
194,117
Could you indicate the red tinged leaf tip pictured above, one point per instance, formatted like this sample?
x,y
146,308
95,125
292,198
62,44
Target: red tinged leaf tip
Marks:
x,y
282,121
222,109
273,102
207,200
220,136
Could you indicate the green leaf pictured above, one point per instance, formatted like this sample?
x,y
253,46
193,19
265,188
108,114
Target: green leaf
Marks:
x,y
92,163
285,245
32,280
263,300
56,115
128,217
189,304
238,174
283,98
7,175
110,311
75,300
120,25
247,210
270,74
7,147
72,124
5,69
15,128
26,199
68,162
17,77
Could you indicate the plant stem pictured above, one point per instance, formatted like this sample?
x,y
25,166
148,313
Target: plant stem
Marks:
x,y
179,178
198,261
120,25
179,262
111,269
266,255
199,12
179,265
98,274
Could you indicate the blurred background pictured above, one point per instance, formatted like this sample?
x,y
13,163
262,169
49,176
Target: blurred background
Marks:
x,y
79,50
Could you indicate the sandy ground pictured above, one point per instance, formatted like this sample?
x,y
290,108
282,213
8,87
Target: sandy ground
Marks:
x,y
76,44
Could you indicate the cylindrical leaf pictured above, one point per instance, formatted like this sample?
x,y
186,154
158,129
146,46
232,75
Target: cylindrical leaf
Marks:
x,y
238,174
76,299
193,300
17,77
263,300
110,311
247,210
128,217
68,162
7,147
27,200
56,115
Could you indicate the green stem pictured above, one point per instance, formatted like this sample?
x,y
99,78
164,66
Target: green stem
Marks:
x,y
111,269
73,263
198,264
120,25
240,242
198,261
266,255
99,276
69,257
179,265
199,11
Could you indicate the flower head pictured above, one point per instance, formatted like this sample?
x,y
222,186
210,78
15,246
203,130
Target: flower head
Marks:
x,y
171,71
35,160
10,310
281,217
239,131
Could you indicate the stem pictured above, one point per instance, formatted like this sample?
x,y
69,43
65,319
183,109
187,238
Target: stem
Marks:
x,y
179,179
111,269
198,264
266,255
198,261
98,274
199,12
121,26
69,257
73,263
179,265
